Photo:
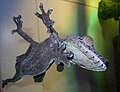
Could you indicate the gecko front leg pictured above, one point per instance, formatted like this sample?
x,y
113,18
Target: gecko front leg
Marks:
x,y
59,49
45,17
19,23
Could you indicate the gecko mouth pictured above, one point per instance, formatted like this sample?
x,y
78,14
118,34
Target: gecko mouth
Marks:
x,y
105,61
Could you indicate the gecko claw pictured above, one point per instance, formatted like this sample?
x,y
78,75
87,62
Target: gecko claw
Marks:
x,y
41,6
37,14
13,31
4,83
19,16
14,18
49,11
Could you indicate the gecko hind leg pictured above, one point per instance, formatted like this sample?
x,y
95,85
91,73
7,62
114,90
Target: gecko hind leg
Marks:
x,y
39,78
16,77
60,67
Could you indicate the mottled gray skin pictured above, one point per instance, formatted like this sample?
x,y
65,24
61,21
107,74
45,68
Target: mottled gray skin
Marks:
x,y
32,64
40,56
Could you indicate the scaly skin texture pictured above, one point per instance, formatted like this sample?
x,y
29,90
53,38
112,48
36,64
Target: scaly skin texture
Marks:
x,y
84,52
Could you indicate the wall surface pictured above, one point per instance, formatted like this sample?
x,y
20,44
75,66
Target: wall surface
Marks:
x,y
69,18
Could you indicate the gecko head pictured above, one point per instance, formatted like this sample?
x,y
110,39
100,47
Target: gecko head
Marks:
x,y
89,43
85,54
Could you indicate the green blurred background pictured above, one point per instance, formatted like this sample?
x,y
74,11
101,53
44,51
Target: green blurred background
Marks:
x,y
81,19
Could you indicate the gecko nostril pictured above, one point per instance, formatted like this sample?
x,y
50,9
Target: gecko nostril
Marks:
x,y
102,59
106,62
